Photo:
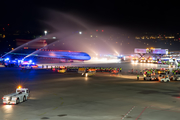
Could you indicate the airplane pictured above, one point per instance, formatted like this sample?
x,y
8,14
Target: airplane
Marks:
x,y
63,55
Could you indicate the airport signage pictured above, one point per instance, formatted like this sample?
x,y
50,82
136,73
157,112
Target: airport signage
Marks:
x,y
151,51
136,50
159,51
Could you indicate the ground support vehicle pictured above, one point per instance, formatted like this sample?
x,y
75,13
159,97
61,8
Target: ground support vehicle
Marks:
x,y
89,72
175,77
149,77
163,78
21,95
62,70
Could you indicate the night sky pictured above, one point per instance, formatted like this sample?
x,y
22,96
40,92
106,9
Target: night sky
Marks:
x,y
137,16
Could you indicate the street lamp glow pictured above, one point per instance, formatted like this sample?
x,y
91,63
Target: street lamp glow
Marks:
x,y
45,32
80,32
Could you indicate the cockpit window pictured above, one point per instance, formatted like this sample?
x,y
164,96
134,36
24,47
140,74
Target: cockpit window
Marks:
x,y
20,91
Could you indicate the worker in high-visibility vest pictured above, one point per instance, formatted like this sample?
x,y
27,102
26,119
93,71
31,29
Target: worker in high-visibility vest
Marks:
x,y
120,69
137,77
140,71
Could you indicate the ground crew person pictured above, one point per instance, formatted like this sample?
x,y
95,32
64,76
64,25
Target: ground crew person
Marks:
x,y
137,77
42,66
101,69
144,75
107,69
120,69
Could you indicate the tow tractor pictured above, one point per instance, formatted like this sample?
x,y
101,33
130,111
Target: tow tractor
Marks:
x,y
149,76
21,95
89,72
62,69
164,78
175,77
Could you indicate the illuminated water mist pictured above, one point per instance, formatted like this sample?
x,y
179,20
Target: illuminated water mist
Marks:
x,y
71,33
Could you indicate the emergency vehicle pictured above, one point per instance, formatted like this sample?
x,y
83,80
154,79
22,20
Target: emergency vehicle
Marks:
x,y
28,65
21,95
10,63
34,66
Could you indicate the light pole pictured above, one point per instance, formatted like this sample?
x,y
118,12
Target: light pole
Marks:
x,y
45,32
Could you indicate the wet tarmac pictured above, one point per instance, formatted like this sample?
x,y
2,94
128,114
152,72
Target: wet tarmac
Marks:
x,y
69,96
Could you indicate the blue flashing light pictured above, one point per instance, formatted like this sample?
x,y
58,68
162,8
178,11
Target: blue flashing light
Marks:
x,y
25,63
30,61
6,59
33,63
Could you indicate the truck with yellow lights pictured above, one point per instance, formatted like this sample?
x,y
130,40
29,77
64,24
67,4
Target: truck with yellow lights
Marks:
x,y
62,69
21,95
149,60
134,60
142,60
